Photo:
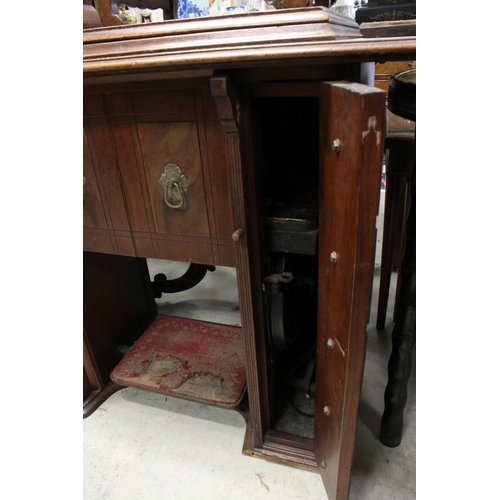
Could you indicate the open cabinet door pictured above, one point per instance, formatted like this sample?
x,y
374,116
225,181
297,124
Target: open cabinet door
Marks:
x,y
352,132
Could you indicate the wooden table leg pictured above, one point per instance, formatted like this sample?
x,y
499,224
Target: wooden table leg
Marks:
x,y
400,161
403,337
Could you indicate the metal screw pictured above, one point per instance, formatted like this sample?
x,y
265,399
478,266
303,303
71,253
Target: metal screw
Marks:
x,y
329,343
333,257
336,145
326,411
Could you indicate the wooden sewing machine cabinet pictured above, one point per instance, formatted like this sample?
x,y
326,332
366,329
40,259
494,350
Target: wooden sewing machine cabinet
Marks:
x,y
196,134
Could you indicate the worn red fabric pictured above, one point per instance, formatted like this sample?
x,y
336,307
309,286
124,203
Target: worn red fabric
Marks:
x,y
187,358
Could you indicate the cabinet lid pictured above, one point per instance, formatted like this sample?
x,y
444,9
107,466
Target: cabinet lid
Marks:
x,y
263,38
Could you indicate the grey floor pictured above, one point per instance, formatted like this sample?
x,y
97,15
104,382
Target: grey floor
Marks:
x,y
140,444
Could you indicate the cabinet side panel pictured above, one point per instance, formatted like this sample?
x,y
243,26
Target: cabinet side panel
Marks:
x,y
118,305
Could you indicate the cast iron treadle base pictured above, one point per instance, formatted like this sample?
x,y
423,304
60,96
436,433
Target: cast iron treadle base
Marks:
x,y
97,398
189,359
194,274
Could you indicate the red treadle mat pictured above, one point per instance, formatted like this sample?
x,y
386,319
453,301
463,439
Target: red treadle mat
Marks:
x,y
189,359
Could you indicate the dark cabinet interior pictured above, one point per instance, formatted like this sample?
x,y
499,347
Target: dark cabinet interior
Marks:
x,y
287,131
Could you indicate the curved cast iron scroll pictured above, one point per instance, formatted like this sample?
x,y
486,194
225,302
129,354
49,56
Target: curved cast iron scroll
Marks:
x,y
194,274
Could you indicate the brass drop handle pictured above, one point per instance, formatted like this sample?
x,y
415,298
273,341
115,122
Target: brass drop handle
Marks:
x,y
237,234
175,184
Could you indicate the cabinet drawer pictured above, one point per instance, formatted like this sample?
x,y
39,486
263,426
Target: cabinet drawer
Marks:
x,y
173,172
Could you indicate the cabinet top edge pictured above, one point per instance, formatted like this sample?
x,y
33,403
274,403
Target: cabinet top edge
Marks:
x,y
207,25
282,37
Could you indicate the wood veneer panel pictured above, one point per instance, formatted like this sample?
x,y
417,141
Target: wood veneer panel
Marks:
x,y
219,179
211,25
353,114
93,211
234,113
150,129
106,221
290,37
227,254
178,143
137,134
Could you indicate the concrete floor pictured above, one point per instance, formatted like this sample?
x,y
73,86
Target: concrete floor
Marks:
x,y
140,444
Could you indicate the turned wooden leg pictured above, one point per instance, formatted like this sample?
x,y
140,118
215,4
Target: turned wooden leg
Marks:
x,y
400,160
391,206
403,338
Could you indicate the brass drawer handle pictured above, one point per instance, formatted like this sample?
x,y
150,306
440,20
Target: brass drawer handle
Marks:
x,y
175,184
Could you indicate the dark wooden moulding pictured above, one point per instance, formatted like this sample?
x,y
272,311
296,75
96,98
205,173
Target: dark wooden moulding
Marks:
x,y
205,73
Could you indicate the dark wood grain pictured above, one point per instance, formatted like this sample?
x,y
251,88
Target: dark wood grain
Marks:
x,y
93,211
403,337
231,108
141,132
285,454
87,387
118,305
216,158
385,70
268,39
92,379
97,398
163,143
161,93
349,196
399,165
103,186
215,25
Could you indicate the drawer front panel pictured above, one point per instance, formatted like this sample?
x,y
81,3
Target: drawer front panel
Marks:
x,y
163,144
106,226
173,172
93,211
